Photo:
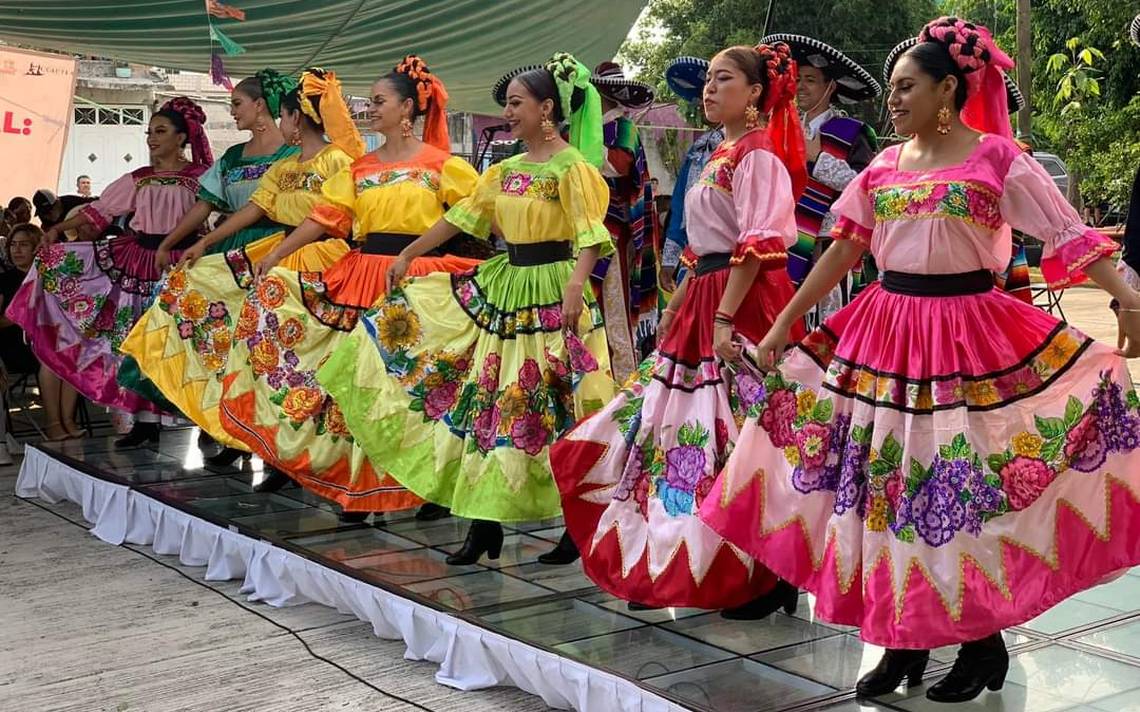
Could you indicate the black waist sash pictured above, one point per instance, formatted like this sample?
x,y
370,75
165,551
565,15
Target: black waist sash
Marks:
x,y
152,241
713,262
939,285
539,253
388,243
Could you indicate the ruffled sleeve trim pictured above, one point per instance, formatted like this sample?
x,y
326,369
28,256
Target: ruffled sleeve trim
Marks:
x,y
848,229
264,199
1065,266
95,217
767,246
219,203
336,222
469,221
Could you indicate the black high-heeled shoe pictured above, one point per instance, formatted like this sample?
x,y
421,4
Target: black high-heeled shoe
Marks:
x,y
141,433
483,537
784,595
227,457
565,553
352,517
205,440
980,664
893,668
430,512
274,480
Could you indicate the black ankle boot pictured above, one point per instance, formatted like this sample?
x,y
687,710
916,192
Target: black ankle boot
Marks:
x,y
893,668
205,440
352,517
980,664
140,433
635,606
482,537
430,512
274,480
784,595
227,457
565,553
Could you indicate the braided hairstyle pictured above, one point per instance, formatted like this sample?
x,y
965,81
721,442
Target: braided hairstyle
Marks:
x,y
770,66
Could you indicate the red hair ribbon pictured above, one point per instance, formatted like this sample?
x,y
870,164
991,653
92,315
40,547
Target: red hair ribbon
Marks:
x,y
784,130
984,64
431,100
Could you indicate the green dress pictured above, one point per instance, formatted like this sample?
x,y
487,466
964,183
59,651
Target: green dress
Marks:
x,y
457,384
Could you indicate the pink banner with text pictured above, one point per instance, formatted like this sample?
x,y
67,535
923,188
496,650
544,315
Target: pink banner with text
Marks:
x,y
36,92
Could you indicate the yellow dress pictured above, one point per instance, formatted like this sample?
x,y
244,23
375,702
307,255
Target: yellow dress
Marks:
x,y
458,384
292,322
182,342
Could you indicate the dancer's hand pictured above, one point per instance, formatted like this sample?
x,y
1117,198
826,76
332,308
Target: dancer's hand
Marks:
x,y
192,254
771,347
571,306
397,270
723,343
664,324
665,279
161,259
51,236
261,269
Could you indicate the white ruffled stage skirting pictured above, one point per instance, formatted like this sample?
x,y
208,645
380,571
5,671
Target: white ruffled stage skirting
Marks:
x,y
470,657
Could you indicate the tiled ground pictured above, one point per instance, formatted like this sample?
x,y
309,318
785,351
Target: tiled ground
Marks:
x,y
1083,655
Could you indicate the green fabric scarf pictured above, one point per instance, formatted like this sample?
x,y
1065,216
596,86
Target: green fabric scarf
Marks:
x,y
274,87
586,121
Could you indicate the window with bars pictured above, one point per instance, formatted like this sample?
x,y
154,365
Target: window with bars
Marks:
x,y
110,115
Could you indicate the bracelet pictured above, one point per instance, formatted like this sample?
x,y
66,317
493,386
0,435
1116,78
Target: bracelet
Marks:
x,y
723,315
1123,309
671,312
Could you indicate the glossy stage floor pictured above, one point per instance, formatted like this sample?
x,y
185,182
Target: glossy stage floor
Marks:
x,y
1082,655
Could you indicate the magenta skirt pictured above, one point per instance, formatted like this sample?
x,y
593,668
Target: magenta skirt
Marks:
x,y
78,303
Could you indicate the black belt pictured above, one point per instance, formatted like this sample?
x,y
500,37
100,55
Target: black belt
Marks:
x,y
267,224
388,243
939,285
152,241
713,262
539,253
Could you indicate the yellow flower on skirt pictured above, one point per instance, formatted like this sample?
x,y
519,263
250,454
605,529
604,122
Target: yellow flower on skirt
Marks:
x,y
397,327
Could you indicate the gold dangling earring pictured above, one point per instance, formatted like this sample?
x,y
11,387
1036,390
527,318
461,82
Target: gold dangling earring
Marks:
x,y
406,127
260,127
295,139
549,130
751,117
944,118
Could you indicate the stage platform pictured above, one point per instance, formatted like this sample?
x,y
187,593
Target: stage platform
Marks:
x,y
545,629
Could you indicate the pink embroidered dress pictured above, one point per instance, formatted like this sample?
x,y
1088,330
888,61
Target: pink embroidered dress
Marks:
x,y
633,476
82,298
937,468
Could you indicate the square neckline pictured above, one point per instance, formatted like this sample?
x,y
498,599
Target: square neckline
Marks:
x,y
982,140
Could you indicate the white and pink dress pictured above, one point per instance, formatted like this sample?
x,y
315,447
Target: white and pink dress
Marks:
x,y
940,460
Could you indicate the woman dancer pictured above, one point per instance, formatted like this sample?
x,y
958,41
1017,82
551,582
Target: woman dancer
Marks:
x,y
255,104
87,296
457,384
633,475
292,322
932,479
183,341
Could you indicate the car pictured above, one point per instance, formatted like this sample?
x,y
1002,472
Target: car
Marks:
x,y
1057,170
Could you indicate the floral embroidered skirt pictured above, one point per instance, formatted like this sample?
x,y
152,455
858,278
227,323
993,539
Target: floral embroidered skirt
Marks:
x,y
271,401
77,306
634,475
458,384
936,469
181,344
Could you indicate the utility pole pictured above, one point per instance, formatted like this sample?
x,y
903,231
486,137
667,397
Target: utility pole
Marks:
x,y
1024,68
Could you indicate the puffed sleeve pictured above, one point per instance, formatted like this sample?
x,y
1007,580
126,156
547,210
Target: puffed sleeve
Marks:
x,y
265,197
457,180
335,210
117,199
211,188
1031,203
585,198
854,212
765,209
473,214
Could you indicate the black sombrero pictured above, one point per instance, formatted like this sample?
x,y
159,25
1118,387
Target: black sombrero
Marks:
x,y
1134,30
686,77
1013,95
499,91
854,84
610,81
